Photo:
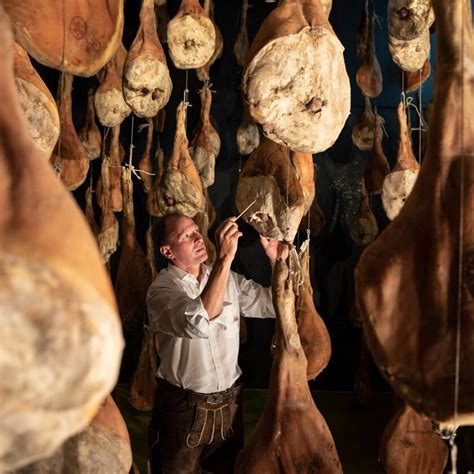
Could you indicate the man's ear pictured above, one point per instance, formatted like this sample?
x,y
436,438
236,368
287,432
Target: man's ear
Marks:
x,y
165,250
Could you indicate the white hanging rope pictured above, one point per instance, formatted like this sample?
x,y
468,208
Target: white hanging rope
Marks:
x,y
186,102
420,121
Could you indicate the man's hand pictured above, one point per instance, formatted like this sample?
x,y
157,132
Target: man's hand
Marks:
x,y
227,236
274,249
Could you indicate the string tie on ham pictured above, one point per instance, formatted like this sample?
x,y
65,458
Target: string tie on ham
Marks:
x,y
410,102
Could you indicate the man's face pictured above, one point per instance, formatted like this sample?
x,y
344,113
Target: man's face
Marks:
x,y
185,247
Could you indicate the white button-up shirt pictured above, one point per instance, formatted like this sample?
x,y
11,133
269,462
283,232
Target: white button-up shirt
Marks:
x,y
197,353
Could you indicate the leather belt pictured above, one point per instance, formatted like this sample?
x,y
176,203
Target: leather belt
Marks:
x,y
214,398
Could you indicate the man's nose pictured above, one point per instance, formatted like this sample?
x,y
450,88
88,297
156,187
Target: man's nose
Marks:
x,y
197,236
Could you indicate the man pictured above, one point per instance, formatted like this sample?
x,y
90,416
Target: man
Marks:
x,y
195,310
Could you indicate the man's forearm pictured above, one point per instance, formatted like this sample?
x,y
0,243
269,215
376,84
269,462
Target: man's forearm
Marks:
x,y
212,296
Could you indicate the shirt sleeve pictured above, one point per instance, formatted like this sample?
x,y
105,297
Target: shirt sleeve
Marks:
x,y
254,299
172,312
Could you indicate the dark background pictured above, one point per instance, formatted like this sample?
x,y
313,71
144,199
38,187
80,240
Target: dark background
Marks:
x,y
339,169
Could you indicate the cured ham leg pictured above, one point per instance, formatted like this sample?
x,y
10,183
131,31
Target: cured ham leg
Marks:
x,y
146,79
181,188
206,143
131,292
377,167
295,82
202,73
109,227
73,157
60,338
408,19
411,81
248,135
364,228
191,36
414,284
90,135
89,211
143,386
103,447
291,436
314,336
369,74
409,445
37,102
109,102
241,45
398,184
144,164
363,132
282,184
74,37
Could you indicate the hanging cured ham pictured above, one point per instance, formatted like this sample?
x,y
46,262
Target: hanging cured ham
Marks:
x,y
73,159
241,45
162,20
291,435
364,228
295,82
313,334
369,74
81,38
89,211
408,19
37,103
57,305
411,81
398,184
248,135
109,102
377,167
103,447
116,155
90,135
363,132
314,220
146,80
152,198
410,55
281,183
131,292
191,36
408,27
180,189
206,143
202,73
143,386
363,32
144,165
109,228
408,444
327,5
414,284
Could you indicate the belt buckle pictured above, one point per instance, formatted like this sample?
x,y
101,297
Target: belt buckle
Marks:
x,y
215,398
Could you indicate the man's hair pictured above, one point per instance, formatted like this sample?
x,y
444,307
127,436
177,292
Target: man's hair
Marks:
x,y
160,231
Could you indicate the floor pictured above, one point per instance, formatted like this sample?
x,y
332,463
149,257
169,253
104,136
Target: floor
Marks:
x,y
356,429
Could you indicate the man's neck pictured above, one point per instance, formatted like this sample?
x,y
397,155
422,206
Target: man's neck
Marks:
x,y
194,270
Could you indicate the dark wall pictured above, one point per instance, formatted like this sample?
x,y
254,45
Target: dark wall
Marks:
x,y
339,169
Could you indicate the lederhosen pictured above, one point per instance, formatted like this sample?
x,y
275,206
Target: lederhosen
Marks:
x,y
191,430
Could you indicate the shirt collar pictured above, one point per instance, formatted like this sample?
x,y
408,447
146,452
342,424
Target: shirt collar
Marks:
x,y
183,275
